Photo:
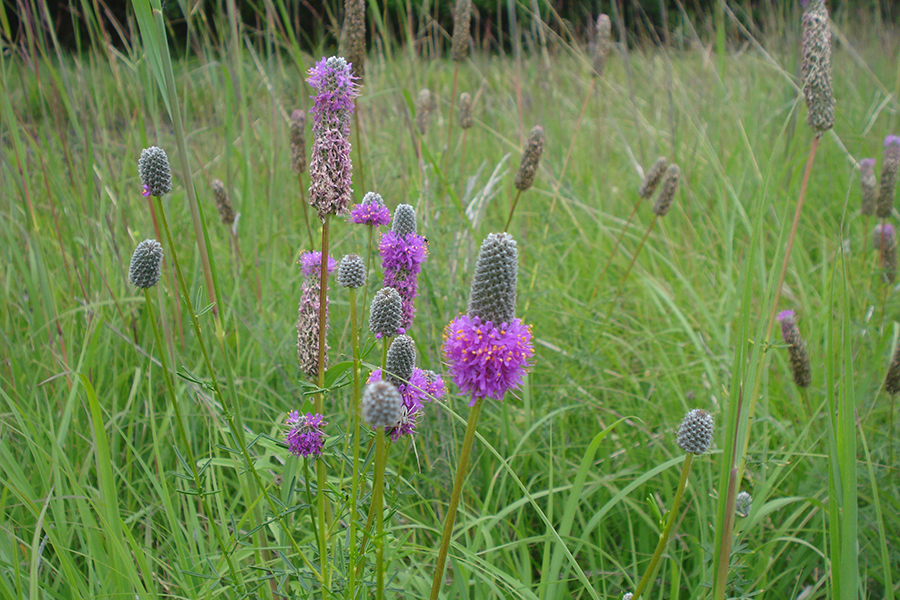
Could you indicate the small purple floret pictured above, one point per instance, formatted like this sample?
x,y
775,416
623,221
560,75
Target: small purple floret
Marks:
x,y
414,394
892,140
311,263
370,213
485,361
866,162
786,319
305,436
146,192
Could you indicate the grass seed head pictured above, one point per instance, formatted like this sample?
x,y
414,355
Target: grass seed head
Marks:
x,y
885,202
223,204
602,45
869,186
153,167
531,158
298,141
424,108
816,67
146,264
465,111
695,432
653,177
462,15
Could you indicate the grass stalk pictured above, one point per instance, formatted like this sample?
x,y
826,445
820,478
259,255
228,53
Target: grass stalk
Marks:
x,y
450,117
612,254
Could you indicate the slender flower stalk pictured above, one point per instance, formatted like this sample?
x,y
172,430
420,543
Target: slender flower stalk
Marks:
x,y
531,158
487,351
372,213
695,438
465,123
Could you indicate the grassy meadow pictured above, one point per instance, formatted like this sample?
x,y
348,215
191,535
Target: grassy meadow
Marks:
x,y
570,476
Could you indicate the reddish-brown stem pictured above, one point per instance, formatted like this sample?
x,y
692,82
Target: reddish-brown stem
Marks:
x,y
613,253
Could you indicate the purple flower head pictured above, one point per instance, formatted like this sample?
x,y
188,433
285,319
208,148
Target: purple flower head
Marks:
x,y
304,435
371,211
311,263
435,388
786,320
892,140
336,88
415,394
401,260
487,360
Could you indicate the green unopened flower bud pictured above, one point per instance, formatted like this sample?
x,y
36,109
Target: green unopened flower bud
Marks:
x,y
153,167
404,221
351,272
381,405
695,432
401,360
386,312
493,293
146,264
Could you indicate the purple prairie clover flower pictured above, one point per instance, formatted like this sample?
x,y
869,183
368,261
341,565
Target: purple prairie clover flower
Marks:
x,y
146,192
371,211
435,388
304,436
308,313
414,394
335,90
401,259
487,360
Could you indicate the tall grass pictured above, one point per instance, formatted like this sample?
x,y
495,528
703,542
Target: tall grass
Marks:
x,y
569,477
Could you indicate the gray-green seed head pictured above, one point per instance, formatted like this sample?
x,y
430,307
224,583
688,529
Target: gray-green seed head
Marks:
x,y
742,504
146,264
602,44
815,65
493,294
653,177
381,405
531,158
869,185
667,191
888,183
386,312
401,360
153,167
461,17
424,108
695,432
298,142
223,204
351,272
465,111
404,222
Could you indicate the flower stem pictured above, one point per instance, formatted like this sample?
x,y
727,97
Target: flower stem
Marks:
x,y
354,482
319,407
667,532
450,519
512,209
378,504
450,118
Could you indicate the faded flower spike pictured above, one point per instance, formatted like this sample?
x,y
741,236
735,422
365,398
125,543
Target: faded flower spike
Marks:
x,y
888,247
404,220
308,313
146,264
889,164
298,141
381,405
667,191
371,211
386,313
401,359
695,432
602,44
868,184
465,111
153,167
796,348
742,504
892,380
883,236
223,204
653,177
304,436
424,108
461,17
815,66
488,350
351,272
353,45
531,158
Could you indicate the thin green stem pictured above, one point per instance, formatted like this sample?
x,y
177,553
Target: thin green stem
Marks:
x,y
378,505
612,304
354,482
450,118
612,254
450,519
667,532
320,406
512,209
